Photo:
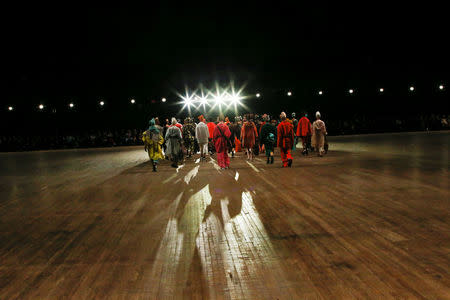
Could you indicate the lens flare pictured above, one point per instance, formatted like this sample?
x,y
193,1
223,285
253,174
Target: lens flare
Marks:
x,y
209,100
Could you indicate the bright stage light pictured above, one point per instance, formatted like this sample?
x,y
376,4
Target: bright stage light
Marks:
x,y
441,87
71,105
320,92
235,99
188,101
10,108
102,103
289,93
258,95
163,99
132,101
381,90
350,91
411,88
41,107
218,99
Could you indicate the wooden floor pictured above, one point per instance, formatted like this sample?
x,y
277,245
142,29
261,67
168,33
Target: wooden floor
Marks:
x,y
371,220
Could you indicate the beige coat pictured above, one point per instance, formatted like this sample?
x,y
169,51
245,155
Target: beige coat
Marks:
x,y
318,134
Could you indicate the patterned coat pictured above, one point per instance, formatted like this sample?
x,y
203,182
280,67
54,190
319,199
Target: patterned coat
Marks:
x,y
153,147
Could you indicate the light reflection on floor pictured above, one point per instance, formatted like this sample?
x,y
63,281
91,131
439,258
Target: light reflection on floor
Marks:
x,y
231,248
192,173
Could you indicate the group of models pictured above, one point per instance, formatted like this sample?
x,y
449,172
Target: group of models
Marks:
x,y
223,137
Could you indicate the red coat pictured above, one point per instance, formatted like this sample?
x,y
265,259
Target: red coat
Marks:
x,y
211,127
285,135
304,127
220,142
248,134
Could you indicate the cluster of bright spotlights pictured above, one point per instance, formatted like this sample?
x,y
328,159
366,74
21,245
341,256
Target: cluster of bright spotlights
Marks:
x,y
212,99
221,98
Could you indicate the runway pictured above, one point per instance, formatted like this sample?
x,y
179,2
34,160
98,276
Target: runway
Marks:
x,y
370,220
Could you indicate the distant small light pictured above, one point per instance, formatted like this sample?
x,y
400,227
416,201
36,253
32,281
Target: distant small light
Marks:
x,y
41,106
441,87
289,93
133,101
258,95
411,88
102,103
320,92
381,90
71,105
350,91
163,99
10,108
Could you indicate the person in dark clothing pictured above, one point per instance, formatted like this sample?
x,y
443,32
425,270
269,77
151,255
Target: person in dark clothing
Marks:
x,y
268,138
295,124
189,136
232,138
235,129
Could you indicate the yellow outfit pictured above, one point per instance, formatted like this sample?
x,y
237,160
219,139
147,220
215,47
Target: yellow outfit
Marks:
x,y
153,148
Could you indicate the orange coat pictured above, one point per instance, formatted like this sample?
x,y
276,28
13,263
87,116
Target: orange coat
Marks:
x,y
304,127
249,133
285,135
211,127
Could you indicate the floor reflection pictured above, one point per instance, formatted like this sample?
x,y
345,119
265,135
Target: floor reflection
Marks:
x,y
224,232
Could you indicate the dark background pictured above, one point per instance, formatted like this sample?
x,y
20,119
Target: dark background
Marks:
x,y
55,54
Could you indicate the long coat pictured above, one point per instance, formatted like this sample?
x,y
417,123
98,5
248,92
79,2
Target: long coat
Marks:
x,y
220,136
318,134
304,127
248,134
153,148
285,135
202,133
173,141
